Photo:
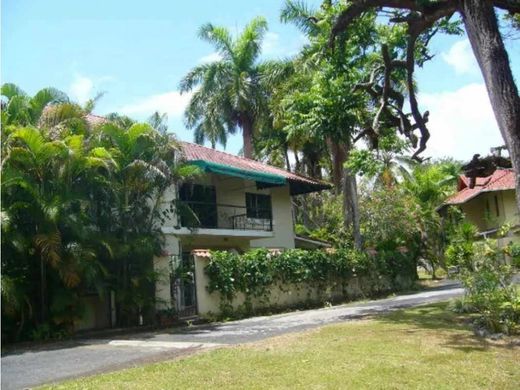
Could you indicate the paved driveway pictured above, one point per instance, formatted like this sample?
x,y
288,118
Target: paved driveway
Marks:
x,y
24,369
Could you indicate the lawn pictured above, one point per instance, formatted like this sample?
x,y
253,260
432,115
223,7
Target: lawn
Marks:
x,y
426,348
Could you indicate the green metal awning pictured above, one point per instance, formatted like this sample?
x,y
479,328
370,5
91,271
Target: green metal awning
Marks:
x,y
222,169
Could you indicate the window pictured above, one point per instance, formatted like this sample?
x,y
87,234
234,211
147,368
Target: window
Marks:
x,y
258,206
201,202
496,206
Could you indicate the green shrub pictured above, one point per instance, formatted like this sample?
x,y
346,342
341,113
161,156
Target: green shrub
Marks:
x,y
487,277
255,272
513,250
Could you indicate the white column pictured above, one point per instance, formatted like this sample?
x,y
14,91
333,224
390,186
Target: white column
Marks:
x,y
162,267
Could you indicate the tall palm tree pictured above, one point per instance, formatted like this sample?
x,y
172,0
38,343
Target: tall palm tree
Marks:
x,y
229,93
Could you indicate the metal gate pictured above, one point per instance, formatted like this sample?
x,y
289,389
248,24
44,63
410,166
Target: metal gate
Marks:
x,y
183,288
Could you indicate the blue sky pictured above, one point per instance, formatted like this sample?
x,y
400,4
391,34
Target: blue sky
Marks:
x,y
137,51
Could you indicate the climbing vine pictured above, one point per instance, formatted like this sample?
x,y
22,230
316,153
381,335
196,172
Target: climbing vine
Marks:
x,y
255,272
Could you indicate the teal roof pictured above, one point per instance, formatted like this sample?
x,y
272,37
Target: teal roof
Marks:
x,y
222,169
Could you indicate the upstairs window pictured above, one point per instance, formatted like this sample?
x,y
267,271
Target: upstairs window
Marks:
x,y
199,205
258,206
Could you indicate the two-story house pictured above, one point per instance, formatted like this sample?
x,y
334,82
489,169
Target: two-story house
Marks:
x,y
490,203
236,204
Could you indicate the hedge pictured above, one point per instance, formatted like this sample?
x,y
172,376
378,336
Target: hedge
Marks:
x,y
254,272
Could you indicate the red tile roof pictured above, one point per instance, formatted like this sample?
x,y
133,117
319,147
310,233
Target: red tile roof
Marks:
x,y
500,180
197,152
95,120
299,184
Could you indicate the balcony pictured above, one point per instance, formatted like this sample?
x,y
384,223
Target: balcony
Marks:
x,y
207,218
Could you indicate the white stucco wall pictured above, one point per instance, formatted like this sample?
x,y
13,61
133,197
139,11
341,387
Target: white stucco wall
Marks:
x,y
230,191
280,296
510,208
283,227
162,267
477,212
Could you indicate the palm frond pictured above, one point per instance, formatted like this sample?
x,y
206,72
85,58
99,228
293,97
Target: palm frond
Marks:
x,y
10,90
219,37
159,122
49,245
89,106
249,44
299,13
18,110
45,97
55,114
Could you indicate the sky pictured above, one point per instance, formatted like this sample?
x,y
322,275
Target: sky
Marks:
x,y
136,52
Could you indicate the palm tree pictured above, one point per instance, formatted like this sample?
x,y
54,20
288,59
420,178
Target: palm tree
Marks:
x,y
23,109
232,92
394,169
430,184
159,122
43,190
49,108
147,164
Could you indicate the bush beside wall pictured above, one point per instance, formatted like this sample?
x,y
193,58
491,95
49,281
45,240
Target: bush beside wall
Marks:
x,y
258,277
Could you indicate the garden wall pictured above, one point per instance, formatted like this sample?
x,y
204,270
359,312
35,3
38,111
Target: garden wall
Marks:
x,y
285,295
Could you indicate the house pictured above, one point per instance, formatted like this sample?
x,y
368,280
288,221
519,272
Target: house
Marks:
x,y
236,204
490,203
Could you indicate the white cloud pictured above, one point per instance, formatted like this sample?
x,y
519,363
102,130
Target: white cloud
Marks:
x,y
84,88
271,44
81,88
461,122
212,57
461,58
172,103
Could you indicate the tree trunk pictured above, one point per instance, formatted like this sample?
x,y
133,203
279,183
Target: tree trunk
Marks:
x,y
298,166
338,160
247,135
286,156
350,203
43,290
313,163
481,26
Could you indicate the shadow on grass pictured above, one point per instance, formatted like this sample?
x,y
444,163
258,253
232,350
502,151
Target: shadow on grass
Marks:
x,y
456,329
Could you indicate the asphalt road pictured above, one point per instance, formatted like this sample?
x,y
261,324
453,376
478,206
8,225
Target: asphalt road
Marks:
x,y
26,368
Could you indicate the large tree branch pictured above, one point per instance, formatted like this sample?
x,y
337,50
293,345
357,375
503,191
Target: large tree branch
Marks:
x,y
359,7
512,6
414,106
386,87
420,18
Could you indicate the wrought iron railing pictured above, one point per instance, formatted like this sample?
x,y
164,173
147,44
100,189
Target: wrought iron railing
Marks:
x,y
224,216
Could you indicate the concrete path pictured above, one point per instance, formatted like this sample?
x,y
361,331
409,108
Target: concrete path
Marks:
x,y
22,369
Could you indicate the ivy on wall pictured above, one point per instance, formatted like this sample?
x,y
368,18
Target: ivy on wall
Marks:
x,y
255,272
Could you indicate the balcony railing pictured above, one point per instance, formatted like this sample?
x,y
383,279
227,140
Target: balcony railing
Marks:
x,y
224,216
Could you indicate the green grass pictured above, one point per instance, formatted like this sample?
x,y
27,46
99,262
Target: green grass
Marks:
x,y
423,348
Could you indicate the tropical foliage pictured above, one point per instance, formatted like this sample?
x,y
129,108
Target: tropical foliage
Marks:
x,y
230,93
398,211
486,271
80,213
324,113
81,195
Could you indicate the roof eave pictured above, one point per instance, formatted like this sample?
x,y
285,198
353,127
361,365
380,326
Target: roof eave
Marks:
x,y
473,197
300,188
